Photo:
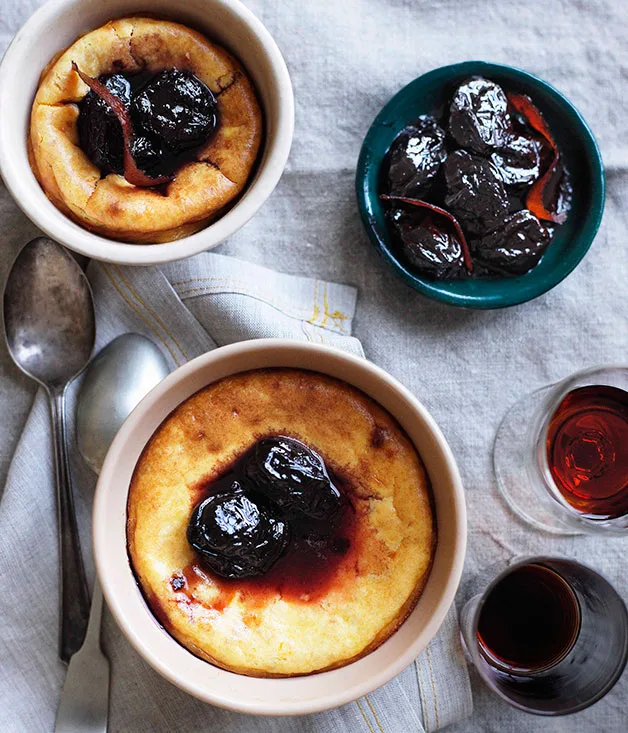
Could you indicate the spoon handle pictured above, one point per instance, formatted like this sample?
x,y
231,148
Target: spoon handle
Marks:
x,y
74,601
84,704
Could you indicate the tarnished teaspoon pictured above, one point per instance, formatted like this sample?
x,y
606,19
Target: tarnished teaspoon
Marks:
x,y
116,380
50,328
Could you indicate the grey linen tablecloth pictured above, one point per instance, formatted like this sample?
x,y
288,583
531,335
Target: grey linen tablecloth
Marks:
x,y
346,59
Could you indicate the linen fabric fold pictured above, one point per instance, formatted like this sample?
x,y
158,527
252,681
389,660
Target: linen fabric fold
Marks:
x,y
186,309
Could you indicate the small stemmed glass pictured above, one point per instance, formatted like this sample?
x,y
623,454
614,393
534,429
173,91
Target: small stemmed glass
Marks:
x,y
561,454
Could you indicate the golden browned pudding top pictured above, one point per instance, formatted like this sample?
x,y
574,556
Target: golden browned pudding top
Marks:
x,y
109,204
299,617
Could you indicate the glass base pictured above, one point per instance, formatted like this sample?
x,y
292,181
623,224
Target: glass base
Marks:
x,y
513,463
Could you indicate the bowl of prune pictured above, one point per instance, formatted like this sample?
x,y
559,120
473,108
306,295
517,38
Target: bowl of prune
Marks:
x,y
481,185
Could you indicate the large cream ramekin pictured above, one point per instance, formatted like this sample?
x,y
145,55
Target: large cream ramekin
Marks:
x,y
295,695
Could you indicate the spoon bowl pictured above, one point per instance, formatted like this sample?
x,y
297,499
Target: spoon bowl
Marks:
x,y
48,314
116,380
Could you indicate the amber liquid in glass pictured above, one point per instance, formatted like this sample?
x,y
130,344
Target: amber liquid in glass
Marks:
x,y
529,621
587,450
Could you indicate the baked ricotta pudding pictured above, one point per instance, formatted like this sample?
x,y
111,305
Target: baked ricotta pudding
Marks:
x,y
280,523
144,131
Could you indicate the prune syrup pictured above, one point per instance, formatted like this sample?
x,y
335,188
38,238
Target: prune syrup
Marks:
x,y
587,450
529,621
311,564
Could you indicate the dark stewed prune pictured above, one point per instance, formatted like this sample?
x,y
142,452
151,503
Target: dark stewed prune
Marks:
x,y
494,204
100,133
518,162
145,126
294,478
432,247
415,156
475,193
560,194
235,536
132,173
478,116
177,108
515,248
147,153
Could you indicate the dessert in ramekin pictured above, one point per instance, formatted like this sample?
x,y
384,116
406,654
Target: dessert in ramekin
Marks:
x,y
193,130
227,24
295,694
280,523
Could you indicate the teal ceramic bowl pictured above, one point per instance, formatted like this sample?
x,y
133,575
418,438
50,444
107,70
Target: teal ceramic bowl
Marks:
x,y
430,94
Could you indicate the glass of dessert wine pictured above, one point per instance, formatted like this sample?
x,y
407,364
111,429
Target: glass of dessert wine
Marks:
x,y
547,634
561,454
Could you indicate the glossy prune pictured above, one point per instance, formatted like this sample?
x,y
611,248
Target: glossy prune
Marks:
x,y
100,133
415,156
147,153
503,189
558,193
164,118
294,478
234,535
176,108
478,116
564,194
515,248
475,193
433,248
518,162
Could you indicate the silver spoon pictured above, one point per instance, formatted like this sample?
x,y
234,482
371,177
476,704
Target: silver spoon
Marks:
x,y
50,328
116,380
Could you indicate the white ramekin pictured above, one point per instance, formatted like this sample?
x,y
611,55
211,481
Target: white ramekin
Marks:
x,y
60,22
295,695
